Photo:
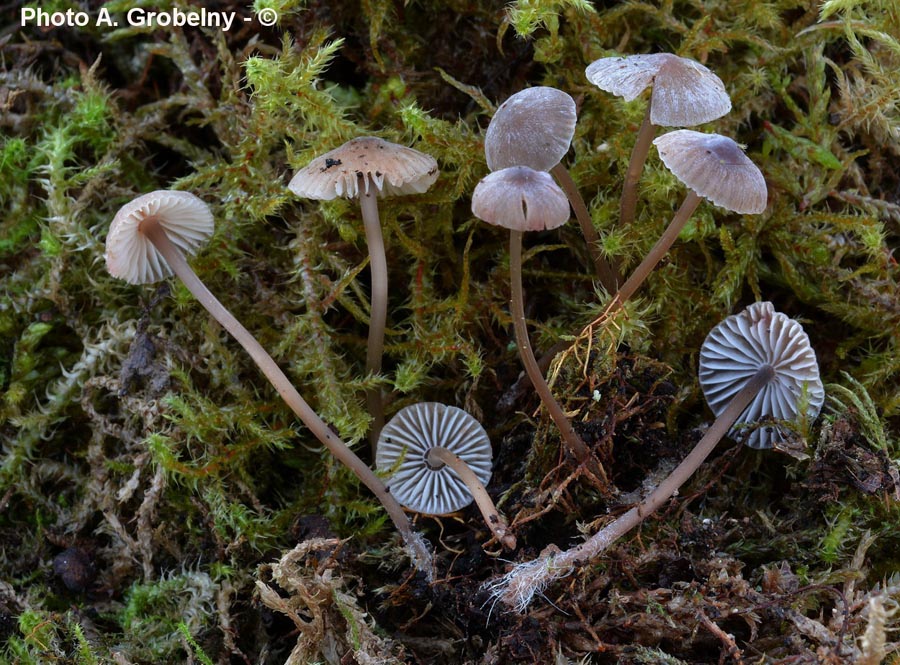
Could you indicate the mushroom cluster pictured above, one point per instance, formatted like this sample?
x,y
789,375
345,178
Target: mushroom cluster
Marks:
x,y
149,239
757,368
534,128
685,93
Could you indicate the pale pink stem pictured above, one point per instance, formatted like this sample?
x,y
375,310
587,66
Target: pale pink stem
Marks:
x,y
378,317
668,238
626,522
628,202
605,272
178,264
570,438
492,517
518,587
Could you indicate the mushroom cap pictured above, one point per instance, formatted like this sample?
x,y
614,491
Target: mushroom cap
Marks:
x,y
393,170
520,199
131,256
685,93
408,437
533,128
739,346
716,168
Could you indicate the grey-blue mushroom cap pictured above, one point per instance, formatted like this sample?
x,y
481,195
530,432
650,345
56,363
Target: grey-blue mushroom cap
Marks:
x,y
743,343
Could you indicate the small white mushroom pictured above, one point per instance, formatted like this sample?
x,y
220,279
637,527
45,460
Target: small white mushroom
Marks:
x,y
439,458
713,167
685,93
362,165
522,199
738,347
131,254
716,168
533,128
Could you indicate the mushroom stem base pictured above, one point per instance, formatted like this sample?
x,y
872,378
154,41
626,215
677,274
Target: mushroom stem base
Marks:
x,y
518,587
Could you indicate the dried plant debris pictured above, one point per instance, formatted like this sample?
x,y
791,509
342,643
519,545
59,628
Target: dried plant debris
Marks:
x,y
149,476
330,623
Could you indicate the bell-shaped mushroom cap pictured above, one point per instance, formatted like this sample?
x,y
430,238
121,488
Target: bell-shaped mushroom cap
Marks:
x,y
533,128
403,447
716,168
745,342
131,256
685,93
392,169
520,199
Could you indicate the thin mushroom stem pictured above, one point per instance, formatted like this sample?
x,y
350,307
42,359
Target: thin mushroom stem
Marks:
x,y
651,503
378,268
628,202
570,438
691,201
605,272
438,456
174,257
519,586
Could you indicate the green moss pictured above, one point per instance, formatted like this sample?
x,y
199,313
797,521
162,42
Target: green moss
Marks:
x,y
157,613
132,425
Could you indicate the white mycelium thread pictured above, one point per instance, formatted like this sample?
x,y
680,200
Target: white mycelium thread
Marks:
x,y
409,436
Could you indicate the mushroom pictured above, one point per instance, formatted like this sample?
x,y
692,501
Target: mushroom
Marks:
x,y
685,93
534,128
754,364
713,167
521,199
148,240
439,460
364,168
739,347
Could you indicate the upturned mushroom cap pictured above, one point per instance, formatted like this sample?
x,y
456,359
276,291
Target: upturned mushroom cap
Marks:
x,y
392,169
739,346
408,437
520,199
685,93
131,256
533,128
716,168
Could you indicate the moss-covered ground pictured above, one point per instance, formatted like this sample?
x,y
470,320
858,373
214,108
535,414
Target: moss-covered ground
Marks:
x,y
160,504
